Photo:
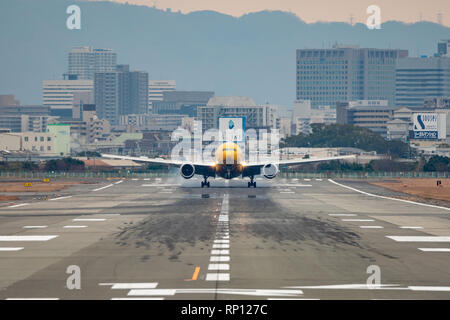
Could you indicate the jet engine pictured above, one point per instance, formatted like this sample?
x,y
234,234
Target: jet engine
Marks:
x,y
270,170
187,170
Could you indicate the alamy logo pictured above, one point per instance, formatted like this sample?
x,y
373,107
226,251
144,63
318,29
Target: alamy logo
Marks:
x,y
374,20
74,20
230,124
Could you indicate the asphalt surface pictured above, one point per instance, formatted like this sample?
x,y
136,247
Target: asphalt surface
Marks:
x,y
171,239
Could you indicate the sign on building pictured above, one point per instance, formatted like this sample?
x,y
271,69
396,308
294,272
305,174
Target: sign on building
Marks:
x,y
232,128
429,126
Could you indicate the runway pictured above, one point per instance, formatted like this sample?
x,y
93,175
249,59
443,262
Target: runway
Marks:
x,y
167,238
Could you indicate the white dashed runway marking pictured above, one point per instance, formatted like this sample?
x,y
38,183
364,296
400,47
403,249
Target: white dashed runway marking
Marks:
x,y
406,227
219,266
129,286
371,227
419,238
19,205
217,277
34,227
11,248
26,238
60,198
435,249
219,259
32,299
74,227
358,220
89,219
98,189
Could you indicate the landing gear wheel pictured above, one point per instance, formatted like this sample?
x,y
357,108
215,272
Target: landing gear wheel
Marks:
x,y
252,183
205,182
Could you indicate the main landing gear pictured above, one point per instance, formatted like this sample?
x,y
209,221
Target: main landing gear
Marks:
x,y
252,183
205,183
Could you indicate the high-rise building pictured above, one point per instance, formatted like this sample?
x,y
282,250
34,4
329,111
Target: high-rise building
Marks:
x,y
420,78
156,88
59,94
346,73
85,61
120,92
443,48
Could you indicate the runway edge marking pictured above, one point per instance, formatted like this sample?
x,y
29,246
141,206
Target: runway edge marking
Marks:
x,y
388,198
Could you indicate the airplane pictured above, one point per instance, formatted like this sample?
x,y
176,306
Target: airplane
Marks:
x,y
228,165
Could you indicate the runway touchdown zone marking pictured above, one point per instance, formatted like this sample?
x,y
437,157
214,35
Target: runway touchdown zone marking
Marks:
x,y
26,238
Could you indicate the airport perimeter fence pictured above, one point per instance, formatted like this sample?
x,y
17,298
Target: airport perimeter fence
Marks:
x,y
282,174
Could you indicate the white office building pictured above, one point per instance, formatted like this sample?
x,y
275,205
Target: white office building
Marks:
x,y
156,89
59,94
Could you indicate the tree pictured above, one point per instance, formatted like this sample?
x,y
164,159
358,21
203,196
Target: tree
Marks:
x,y
65,164
437,163
344,135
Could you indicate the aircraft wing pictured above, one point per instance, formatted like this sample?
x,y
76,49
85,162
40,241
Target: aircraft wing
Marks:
x,y
291,162
176,163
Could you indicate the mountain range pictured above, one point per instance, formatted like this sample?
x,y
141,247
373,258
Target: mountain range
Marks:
x,y
252,55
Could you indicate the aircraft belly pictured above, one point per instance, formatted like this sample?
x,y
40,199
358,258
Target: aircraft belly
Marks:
x,y
229,171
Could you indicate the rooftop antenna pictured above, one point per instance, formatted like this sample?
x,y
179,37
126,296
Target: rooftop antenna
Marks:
x,y
351,19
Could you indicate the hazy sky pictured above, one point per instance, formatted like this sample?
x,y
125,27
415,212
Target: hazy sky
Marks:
x,y
316,10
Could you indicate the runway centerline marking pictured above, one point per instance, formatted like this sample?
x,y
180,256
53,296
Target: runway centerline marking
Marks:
x,y
219,259
222,231
388,198
358,220
219,266
88,219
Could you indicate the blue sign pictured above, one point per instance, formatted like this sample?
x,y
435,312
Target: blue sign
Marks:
x,y
425,135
